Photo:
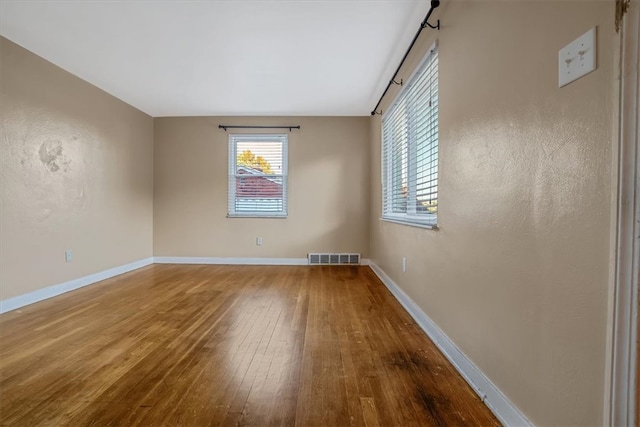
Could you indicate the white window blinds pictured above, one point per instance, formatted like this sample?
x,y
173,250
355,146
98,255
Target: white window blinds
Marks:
x,y
258,175
410,149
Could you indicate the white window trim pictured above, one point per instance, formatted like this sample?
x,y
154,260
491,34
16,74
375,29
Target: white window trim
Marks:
x,y
428,221
404,221
232,162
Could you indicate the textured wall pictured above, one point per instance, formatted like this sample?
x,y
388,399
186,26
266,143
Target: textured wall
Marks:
x,y
517,275
328,190
76,171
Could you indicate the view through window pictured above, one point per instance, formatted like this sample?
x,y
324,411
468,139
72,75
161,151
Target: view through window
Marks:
x,y
258,175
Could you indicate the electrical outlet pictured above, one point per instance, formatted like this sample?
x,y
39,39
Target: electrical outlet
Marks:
x,y
68,256
259,241
404,265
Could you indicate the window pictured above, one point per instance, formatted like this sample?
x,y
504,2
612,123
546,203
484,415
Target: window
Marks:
x,y
257,176
410,149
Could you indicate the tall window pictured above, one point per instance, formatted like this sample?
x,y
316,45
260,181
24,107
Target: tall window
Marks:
x,y
257,175
410,149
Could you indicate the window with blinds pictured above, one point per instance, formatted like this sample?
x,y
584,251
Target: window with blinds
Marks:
x,y
257,175
410,149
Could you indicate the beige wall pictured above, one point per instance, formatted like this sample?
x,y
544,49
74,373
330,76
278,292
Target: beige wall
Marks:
x,y
517,274
76,173
328,190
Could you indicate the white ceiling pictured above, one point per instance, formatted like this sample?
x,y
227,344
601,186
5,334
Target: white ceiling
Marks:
x,y
260,57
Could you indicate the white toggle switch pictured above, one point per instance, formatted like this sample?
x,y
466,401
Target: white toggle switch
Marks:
x,y
577,58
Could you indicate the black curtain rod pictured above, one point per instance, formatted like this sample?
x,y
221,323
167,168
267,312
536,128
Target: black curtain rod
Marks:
x,y
425,23
225,127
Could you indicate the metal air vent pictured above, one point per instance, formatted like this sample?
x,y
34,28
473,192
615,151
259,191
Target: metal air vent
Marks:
x,y
334,259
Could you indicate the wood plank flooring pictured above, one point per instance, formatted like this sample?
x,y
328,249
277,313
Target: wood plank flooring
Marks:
x,y
198,345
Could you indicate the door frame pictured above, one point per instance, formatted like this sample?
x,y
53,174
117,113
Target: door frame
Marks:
x,y
621,387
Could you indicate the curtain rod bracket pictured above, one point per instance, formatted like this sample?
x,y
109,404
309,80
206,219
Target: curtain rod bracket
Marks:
x,y
423,25
396,83
435,27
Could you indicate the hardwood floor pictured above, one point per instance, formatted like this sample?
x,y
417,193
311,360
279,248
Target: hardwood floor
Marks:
x,y
196,345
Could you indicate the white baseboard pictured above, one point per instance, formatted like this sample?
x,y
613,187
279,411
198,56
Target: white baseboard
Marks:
x,y
61,288
500,405
236,261
229,261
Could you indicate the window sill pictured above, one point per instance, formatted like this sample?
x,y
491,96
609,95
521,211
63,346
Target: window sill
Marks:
x,y
284,216
410,223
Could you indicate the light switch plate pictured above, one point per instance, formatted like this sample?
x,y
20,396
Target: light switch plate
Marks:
x,y
577,59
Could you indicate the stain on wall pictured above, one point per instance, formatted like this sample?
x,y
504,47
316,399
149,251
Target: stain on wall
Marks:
x,y
52,156
76,169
